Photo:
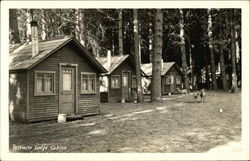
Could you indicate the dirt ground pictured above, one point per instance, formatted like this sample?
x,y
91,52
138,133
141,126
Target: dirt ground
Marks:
x,y
174,125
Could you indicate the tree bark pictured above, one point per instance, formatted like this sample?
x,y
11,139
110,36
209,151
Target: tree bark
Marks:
x,y
77,25
137,57
120,34
82,28
156,94
183,51
192,64
151,40
211,49
43,25
233,52
207,71
13,24
28,27
223,70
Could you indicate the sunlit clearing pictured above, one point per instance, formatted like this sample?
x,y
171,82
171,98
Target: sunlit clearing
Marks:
x,y
96,132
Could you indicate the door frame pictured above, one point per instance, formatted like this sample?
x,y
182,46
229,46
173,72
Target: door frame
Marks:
x,y
122,87
76,85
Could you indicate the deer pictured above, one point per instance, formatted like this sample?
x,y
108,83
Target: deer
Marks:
x,y
202,95
182,92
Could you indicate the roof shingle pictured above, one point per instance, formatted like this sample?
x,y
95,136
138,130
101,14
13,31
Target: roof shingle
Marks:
x,y
115,62
20,56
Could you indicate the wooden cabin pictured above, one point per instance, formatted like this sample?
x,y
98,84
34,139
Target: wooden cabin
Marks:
x,y
120,80
52,77
171,77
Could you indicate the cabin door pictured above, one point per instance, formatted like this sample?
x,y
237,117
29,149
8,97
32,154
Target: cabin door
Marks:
x,y
125,85
67,90
172,85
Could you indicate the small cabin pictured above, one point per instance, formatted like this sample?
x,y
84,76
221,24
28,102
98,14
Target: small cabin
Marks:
x,y
52,77
119,83
171,78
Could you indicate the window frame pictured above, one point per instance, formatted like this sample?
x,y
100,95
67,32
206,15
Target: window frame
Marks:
x,y
37,93
119,82
88,74
170,80
178,77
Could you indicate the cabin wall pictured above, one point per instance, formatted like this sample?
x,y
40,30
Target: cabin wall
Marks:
x,y
172,88
146,83
17,96
47,107
115,95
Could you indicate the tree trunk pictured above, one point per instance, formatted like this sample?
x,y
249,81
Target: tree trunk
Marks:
x,y
137,57
207,71
157,56
183,51
192,64
223,70
77,24
120,34
28,27
210,43
43,25
82,28
151,40
233,52
13,24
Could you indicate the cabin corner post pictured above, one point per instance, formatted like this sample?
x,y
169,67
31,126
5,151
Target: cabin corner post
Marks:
x,y
59,87
27,98
76,90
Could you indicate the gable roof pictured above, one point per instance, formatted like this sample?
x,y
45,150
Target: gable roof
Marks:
x,y
20,56
147,68
116,61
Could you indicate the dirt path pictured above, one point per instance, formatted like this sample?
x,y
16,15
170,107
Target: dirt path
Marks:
x,y
170,126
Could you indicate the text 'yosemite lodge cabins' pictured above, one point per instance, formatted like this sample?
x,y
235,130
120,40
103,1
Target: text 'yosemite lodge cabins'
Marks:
x,y
51,77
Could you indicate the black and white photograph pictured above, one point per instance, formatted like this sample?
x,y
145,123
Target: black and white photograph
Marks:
x,y
114,78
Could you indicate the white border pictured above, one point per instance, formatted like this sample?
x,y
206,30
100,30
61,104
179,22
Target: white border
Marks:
x,y
5,5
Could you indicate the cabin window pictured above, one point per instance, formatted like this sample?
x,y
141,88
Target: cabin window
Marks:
x,y
115,81
134,81
169,80
88,83
44,83
125,79
178,80
67,80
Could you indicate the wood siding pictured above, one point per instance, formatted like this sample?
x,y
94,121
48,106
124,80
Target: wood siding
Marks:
x,y
46,107
18,96
172,88
146,82
116,94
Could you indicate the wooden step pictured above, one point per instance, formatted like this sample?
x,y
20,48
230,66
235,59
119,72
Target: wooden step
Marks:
x,y
74,117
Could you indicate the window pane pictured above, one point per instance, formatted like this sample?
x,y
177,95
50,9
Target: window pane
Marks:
x,y
48,83
84,83
178,80
172,79
91,83
116,81
67,79
39,83
125,80
113,82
